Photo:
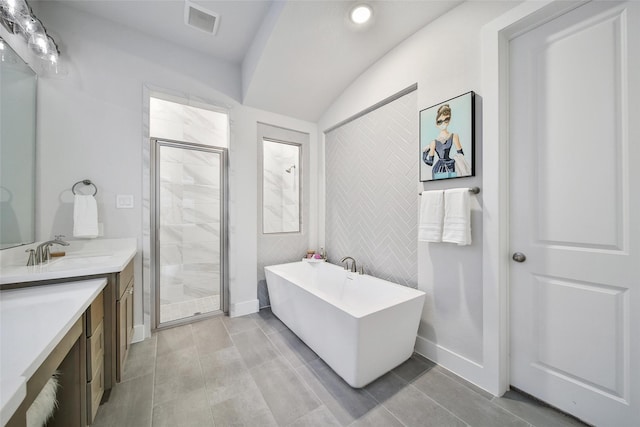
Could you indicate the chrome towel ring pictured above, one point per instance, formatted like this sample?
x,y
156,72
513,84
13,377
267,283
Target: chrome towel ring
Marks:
x,y
85,182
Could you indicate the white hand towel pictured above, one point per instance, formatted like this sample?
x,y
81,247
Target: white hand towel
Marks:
x,y
431,215
457,217
85,216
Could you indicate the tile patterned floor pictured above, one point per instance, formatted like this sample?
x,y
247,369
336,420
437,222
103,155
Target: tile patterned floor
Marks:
x,y
253,371
184,309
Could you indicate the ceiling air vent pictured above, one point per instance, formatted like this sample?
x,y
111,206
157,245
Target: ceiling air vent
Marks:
x,y
198,17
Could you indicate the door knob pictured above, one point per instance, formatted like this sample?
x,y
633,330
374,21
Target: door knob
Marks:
x,y
519,257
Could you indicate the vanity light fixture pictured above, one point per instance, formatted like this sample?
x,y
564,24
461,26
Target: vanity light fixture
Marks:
x,y
13,10
361,13
16,16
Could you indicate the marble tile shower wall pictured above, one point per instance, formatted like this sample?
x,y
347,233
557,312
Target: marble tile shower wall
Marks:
x,y
280,195
371,191
190,225
178,122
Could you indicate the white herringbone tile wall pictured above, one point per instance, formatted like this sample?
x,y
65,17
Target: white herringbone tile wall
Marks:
x,y
371,199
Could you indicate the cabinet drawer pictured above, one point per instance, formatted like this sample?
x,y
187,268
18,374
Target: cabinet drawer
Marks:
x,y
95,351
95,390
95,314
126,277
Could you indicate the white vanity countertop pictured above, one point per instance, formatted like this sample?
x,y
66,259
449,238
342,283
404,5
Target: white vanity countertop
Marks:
x,y
33,321
83,258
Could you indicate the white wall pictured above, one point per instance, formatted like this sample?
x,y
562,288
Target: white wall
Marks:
x,y
243,200
278,248
91,123
444,59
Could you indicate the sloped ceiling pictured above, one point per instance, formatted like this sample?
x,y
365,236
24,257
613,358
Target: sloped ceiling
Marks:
x,y
314,52
296,56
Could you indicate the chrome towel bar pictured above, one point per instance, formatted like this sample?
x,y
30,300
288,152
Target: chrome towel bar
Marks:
x,y
474,190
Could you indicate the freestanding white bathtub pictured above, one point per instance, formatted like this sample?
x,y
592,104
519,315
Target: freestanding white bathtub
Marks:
x,y
359,325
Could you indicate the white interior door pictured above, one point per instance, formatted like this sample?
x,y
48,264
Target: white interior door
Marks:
x,y
575,212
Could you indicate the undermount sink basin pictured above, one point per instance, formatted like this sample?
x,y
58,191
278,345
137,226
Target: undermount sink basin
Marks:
x,y
79,260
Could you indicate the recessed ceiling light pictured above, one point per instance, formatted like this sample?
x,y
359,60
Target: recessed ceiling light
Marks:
x,y
361,13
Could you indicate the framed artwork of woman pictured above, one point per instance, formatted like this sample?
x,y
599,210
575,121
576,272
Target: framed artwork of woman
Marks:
x,y
447,146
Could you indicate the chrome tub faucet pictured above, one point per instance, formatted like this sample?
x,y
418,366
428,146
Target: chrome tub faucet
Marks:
x,y
353,264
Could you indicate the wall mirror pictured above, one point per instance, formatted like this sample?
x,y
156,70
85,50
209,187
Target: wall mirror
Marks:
x,y
17,149
280,187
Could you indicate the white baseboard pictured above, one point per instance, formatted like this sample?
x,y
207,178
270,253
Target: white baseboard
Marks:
x,y
138,333
245,307
460,365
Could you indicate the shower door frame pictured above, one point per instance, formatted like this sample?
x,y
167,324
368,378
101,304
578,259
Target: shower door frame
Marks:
x,y
155,143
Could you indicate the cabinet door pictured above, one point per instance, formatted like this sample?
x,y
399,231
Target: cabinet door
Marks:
x,y
121,337
124,309
129,314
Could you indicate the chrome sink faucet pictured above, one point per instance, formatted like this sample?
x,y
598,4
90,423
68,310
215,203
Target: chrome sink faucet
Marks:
x,y
42,251
353,264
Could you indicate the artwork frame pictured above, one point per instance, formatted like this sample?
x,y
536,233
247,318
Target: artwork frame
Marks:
x,y
441,140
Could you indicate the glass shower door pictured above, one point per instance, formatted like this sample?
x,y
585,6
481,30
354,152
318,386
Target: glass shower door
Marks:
x,y
189,230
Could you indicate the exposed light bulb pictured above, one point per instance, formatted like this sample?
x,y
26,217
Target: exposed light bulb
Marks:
x,y
39,44
31,25
361,13
42,44
11,6
12,10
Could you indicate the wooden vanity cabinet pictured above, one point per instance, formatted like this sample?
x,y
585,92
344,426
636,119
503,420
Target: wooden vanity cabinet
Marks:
x,y
79,358
95,356
67,358
118,325
124,315
104,336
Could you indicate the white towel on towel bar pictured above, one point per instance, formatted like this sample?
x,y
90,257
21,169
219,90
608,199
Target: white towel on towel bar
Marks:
x,y
85,216
457,217
431,216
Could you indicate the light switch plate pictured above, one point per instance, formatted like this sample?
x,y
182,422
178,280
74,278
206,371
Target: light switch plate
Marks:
x,y
124,201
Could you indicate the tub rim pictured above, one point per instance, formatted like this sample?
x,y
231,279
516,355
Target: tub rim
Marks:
x,y
355,312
